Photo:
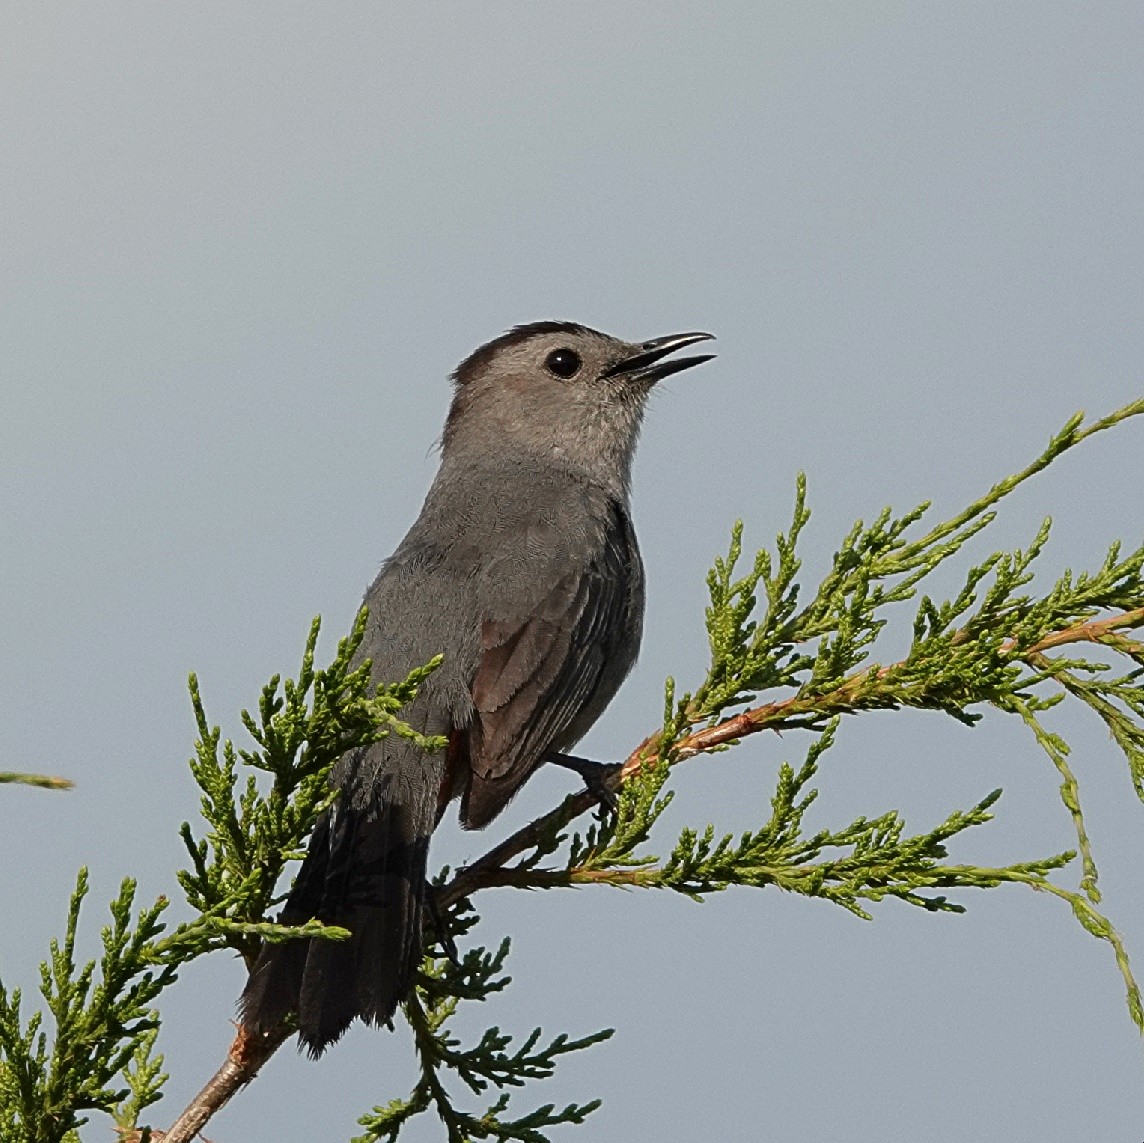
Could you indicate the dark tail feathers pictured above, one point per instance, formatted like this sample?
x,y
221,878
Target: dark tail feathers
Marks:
x,y
365,871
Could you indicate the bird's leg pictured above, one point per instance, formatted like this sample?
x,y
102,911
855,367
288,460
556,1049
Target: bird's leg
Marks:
x,y
444,937
597,776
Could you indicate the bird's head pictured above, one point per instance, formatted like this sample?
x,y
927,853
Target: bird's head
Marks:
x,y
562,393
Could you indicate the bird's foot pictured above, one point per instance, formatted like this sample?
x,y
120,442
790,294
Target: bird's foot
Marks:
x,y
599,777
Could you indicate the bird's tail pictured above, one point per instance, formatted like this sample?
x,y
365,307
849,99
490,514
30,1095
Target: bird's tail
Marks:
x,y
365,871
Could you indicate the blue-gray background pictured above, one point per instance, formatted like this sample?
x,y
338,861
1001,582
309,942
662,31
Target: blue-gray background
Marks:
x,y
243,244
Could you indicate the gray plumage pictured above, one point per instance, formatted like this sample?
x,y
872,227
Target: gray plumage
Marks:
x,y
523,570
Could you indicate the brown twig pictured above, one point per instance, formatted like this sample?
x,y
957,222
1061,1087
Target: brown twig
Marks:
x,y
1095,631
247,1054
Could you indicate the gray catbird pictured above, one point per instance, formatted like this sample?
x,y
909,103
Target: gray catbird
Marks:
x,y
523,570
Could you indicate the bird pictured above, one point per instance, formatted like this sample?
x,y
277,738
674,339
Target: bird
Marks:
x,y
523,571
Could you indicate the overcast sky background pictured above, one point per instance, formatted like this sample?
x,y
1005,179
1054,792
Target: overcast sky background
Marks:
x,y
241,247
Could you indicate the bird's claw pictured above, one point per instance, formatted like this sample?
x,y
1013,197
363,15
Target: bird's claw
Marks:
x,y
598,777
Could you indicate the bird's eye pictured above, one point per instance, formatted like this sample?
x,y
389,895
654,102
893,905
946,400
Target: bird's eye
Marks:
x,y
563,362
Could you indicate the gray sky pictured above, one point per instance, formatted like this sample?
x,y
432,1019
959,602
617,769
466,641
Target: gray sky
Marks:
x,y
243,245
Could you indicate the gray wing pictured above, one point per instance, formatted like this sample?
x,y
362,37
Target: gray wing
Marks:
x,y
542,680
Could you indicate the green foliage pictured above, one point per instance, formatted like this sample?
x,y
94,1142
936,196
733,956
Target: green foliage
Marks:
x,y
43,780
880,862
302,728
777,663
144,1077
104,1024
490,1062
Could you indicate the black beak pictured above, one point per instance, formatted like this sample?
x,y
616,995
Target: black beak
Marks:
x,y
648,363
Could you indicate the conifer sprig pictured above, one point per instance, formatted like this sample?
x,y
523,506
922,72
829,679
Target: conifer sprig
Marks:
x,y
302,728
104,1022
491,1062
44,781
882,861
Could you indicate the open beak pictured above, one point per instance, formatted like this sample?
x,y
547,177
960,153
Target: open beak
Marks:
x,y
648,364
